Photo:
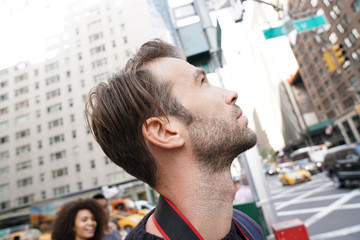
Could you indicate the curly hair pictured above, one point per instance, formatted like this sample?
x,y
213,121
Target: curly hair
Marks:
x,y
63,227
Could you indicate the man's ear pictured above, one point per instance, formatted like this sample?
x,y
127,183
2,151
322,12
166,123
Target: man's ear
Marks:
x,y
162,133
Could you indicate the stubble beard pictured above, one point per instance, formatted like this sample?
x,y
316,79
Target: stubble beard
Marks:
x,y
217,142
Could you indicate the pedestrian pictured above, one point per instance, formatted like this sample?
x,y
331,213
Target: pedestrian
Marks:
x,y
113,224
109,233
79,220
161,120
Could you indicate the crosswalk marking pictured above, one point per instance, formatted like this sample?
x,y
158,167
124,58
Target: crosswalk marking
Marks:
x,y
301,197
337,233
332,207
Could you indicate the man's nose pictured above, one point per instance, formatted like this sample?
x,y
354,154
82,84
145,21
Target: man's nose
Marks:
x,y
230,97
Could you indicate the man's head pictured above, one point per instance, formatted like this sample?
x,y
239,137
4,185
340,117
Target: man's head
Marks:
x,y
103,202
156,84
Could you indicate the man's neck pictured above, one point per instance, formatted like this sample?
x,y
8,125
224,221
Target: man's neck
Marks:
x,y
204,199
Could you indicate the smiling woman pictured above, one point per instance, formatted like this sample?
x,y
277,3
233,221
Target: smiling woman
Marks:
x,y
82,219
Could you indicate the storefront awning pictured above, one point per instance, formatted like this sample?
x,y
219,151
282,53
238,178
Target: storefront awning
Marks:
x,y
320,125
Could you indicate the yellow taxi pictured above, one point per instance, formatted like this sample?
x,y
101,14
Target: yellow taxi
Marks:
x,y
294,175
127,221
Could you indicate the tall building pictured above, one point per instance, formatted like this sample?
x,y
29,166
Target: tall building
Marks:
x,y
46,150
333,93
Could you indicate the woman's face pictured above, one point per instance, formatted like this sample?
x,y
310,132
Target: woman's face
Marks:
x,y
85,225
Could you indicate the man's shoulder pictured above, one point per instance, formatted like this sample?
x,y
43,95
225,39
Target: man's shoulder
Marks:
x,y
247,225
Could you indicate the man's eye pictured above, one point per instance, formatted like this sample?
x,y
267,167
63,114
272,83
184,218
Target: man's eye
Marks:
x,y
204,80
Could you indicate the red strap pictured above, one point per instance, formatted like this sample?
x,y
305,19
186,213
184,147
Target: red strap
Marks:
x,y
159,228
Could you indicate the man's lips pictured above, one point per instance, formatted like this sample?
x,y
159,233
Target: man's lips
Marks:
x,y
239,116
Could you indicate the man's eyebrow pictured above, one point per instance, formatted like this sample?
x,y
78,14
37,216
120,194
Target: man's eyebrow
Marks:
x,y
199,72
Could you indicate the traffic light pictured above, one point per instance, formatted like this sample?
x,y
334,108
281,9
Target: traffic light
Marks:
x,y
357,109
329,61
339,54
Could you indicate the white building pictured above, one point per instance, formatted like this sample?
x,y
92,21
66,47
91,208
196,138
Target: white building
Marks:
x,y
46,150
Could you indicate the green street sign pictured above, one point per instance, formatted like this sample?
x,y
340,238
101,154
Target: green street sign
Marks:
x,y
301,25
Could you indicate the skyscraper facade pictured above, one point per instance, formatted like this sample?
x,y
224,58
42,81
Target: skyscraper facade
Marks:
x,y
334,93
46,150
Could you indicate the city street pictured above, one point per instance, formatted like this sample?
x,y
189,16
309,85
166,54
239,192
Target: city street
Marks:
x,y
328,212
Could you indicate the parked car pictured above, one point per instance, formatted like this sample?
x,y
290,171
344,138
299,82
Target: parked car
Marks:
x,y
294,175
342,163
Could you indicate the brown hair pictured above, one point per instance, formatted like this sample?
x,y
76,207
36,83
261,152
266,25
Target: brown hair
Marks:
x,y
63,227
116,110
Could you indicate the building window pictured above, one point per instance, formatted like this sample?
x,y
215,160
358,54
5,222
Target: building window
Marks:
x,y
22,119
4,125
348,42
59,173
55,123
71,103
53,93
72,118
79,186
21,77
90,146
97,49
54,108
4,171
77,167
3,97
56,139
353,80
38,127
100,77
57,155
95,36
348,103
22,134
3,84
24,182
4,205
92,164
340,28
99,63
21,91
22,104
25,200
76,150
326,3
4,110
42,177
4,188
23,165
41,160
74,133
356,6
4,139
23,150
51,66
4,155
43,195
61,190
94,181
